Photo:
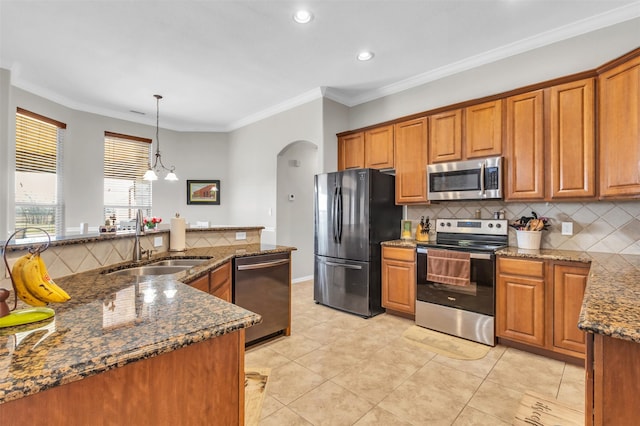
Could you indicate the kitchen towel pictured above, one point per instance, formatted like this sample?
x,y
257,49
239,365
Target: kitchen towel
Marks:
x,y
178,234
449,267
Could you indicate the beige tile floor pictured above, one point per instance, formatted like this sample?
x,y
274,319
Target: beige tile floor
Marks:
x,y
340,369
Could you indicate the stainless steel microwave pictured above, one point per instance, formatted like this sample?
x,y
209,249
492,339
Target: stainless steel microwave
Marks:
x,y
479,179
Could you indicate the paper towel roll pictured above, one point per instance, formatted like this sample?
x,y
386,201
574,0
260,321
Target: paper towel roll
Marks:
x,y
177,234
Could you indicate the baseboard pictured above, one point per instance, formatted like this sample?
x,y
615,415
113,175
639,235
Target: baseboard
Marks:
x,y
301,279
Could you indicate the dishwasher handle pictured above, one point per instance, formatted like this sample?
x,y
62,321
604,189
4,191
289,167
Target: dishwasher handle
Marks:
x,y
262,265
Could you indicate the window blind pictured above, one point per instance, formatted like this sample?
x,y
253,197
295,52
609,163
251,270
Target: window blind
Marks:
x,y
38,173
126,158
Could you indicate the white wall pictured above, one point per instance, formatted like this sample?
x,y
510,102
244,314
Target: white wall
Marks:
x,y
571,56
253,152
296,169
195,156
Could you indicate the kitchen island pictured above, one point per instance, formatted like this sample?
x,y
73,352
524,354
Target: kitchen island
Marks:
x,y
131,350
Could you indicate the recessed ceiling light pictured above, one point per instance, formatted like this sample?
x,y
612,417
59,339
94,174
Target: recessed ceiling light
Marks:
x,y
365,55
302,16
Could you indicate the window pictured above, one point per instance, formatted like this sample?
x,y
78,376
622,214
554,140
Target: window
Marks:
x,y
38,178
126,159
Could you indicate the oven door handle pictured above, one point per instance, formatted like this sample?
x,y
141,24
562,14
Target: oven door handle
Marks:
x,y
482,256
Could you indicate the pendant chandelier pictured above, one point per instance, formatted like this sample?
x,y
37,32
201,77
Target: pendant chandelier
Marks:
x,y
158,166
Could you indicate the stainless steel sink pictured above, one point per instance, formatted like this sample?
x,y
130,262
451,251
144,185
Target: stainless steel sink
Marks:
x,y
150,270
160,267
180,262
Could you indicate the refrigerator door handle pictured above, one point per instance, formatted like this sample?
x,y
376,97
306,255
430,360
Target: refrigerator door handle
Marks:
x,y
342,265
339,214
334,212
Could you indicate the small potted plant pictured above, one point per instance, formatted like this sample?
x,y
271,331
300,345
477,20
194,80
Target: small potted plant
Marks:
x,y
151,222
529,230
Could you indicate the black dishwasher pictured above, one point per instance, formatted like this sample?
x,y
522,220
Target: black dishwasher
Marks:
x,y
262,284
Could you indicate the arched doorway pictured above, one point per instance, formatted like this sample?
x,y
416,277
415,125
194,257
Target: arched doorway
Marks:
x,y
297,165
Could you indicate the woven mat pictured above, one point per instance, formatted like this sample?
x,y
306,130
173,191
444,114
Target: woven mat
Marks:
x,y
255,387
541,410
444,344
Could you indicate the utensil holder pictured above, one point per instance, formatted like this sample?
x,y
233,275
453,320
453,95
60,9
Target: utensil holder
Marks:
x,y
529,239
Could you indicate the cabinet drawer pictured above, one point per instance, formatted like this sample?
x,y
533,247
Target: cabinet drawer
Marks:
x,y
531,268
220,275
397,253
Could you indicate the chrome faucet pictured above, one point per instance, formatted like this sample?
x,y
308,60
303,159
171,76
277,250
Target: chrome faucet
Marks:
x,y
137,248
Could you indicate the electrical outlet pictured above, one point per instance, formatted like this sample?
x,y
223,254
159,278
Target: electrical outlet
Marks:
x,y
567,228
157,241
241,235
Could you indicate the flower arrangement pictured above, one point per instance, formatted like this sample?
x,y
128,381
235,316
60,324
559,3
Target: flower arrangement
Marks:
x,y
151,222
533,223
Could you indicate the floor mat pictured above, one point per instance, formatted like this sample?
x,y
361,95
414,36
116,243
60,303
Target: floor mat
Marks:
x,y
255,387
444,344
535,409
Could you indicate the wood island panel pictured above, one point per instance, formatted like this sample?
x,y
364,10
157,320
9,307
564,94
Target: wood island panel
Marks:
x,y
200,384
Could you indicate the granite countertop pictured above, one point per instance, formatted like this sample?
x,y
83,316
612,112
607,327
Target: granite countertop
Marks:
x,y
113,320
611,304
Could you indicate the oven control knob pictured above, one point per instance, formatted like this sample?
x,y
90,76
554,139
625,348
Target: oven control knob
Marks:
x,y
490,225
441,223
449,224
498,225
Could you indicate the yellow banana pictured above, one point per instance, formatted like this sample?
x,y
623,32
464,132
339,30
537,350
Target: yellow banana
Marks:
x,y
45,290
21,289
26,316
47,278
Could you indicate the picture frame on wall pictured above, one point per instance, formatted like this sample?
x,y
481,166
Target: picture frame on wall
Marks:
x,y
203,192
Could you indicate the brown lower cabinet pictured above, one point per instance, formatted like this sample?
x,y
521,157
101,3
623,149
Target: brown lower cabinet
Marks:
x,y
399,279
538,304
612,381
200,384
217,282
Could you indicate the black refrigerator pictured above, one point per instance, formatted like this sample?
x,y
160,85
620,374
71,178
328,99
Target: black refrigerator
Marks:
x,y
354,212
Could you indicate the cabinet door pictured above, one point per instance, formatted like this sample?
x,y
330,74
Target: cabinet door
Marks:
x,y
201,283
221,282
525,151
351,151
569,283
445,136
399,279
619,124
520,302
572,140
378,148
411,161
483,130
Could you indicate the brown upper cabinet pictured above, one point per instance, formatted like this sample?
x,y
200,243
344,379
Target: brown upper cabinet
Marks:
x,y
351,151
525,146
445,136
546,133
483,129
619,124
564,166
572,140
466,133
378,148
411,161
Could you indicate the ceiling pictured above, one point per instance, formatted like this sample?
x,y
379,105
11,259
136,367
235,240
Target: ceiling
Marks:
x,y
223,64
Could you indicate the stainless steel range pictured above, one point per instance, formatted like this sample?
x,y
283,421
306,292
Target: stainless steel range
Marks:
x,y
456,278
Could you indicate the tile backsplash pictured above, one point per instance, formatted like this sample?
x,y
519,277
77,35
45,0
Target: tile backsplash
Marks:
x,y
609,227
69,259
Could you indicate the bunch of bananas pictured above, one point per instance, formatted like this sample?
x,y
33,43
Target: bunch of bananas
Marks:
x,y
33,284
